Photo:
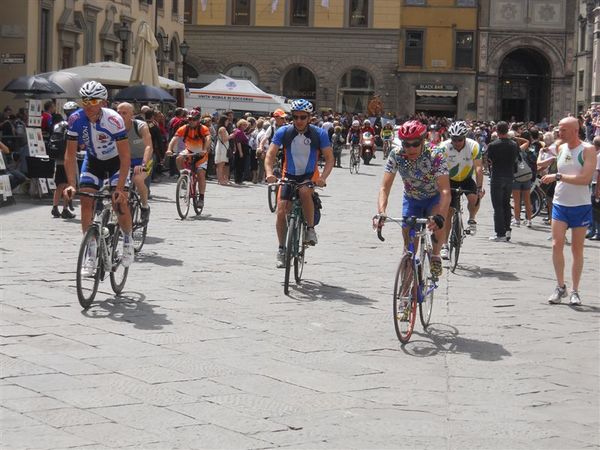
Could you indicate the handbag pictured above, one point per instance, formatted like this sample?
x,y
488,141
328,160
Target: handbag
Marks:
x,y
40,167
523,172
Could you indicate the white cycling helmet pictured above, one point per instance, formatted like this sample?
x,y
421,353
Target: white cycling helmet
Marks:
x,y
355,123
458,129
93,89
302,105
70,107
367,122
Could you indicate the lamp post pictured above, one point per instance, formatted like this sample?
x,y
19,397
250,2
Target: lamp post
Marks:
x,y
183,49
124,33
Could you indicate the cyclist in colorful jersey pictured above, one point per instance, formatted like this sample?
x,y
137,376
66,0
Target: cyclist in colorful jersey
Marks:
x,y
353,136
426,184
301,144
387,135
196,138
140,145
464,158
101,133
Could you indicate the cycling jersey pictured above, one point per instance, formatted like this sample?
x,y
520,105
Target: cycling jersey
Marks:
x,y
460,163
99,139
387,134
301,150
353,136
194,139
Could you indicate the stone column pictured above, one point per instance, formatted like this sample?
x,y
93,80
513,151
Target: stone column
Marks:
x,y
596,58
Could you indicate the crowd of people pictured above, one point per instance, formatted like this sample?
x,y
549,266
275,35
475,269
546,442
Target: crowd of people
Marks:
x,y
434,156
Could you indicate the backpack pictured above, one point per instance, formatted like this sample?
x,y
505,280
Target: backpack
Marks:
x,y
58,141
523,172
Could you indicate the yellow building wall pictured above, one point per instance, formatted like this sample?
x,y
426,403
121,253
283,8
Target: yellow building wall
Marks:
x,y
215,14
263,17
332,17
462,18
386,14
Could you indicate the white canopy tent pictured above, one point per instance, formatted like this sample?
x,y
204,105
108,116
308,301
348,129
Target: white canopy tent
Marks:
x,y
232,94
115,74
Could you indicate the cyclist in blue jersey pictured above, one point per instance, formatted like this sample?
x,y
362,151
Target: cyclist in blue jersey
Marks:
x,y
301,143
102,134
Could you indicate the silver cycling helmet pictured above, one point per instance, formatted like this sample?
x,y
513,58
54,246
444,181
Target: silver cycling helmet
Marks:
x,y
93,89
458,129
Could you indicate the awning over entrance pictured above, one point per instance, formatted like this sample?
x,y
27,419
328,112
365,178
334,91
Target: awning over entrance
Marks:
x,y
436,93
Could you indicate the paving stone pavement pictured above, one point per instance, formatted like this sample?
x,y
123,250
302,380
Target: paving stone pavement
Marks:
x,y
203,350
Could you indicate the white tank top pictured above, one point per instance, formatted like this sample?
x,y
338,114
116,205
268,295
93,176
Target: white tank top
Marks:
x,y
570,162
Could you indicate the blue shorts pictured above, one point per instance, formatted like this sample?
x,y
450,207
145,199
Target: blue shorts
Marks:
x,y
419,208
94,172
136,162
573,216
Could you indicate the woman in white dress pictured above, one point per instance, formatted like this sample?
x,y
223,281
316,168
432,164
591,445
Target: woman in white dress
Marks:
x,y
221,159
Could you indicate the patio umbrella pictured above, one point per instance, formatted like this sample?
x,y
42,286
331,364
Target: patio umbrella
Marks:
x,y
143,93
33,85
144,69
70,82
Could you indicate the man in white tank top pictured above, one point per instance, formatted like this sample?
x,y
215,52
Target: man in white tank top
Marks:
x,y
576,161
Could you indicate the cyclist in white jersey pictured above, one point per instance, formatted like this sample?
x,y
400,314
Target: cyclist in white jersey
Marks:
x,y
572,206
101,133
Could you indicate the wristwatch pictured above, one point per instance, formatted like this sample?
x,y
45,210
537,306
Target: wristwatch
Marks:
x,y
558,176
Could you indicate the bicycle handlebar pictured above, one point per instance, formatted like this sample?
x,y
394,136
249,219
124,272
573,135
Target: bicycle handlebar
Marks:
x,y
411,221
281,181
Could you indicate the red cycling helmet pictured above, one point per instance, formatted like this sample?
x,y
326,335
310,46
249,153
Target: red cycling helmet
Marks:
x,y
413,129
194,114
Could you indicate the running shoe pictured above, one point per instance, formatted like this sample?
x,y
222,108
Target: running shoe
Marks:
x,y
445,252
498,238
311,236
574,299
558,294
280,258
528,223
472,227
55,213
516,222
66,214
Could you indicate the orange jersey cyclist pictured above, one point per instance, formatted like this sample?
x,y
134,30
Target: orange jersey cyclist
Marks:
x,y
301,143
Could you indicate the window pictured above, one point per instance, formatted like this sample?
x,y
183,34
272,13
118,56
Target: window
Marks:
x,y
175,7
66,57
160,4
466,3
299,13
359,13
580,80
464,50
241,12
413,51
582,35
188,9
355,89
415,2
44,40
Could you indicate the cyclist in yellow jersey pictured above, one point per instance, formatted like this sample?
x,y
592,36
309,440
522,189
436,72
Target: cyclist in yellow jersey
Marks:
x,y
464,159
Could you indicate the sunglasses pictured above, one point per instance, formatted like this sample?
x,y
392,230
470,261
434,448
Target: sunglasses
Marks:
x,y
300,117
457,139
413,144
91,101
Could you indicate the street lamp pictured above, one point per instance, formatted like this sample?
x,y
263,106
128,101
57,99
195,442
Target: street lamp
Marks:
x,y
124,33
183,49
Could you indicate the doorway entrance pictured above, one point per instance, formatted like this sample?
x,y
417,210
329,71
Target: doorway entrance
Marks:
x,y
524,86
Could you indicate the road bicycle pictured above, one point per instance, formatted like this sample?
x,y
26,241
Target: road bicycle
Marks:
x,y
414,284
295,244
457,231
387,147
538,198
107,235
354,158
273,188
139,227
187,191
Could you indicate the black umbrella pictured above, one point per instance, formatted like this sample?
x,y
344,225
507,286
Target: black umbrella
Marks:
x,y
143,93
33,85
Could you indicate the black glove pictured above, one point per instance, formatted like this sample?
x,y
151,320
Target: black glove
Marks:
x,y
439,220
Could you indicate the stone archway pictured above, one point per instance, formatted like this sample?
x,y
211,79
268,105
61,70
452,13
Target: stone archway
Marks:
x,y
299,82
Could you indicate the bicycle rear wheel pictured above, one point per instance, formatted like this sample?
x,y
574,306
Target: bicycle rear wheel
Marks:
x,y
118,273
455,241
427,286
299,257
405,300
182,196
196,202
87,286
289,252
272,192
139,228
537,200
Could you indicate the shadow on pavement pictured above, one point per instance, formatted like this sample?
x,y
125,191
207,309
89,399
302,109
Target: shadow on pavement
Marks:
x,y
580,308
445,339
211,218
154,258
313,290
128,307
153,240
530,244
479,272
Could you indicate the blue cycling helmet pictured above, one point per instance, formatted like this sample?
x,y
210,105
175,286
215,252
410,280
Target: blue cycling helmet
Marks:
x,y
302,105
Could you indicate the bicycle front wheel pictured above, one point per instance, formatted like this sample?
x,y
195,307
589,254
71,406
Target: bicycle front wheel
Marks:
x,y
405,300
289,253
118,273
299,256
351,163
182,196
455,241
272,192
87,278
537,200
427,286
139,227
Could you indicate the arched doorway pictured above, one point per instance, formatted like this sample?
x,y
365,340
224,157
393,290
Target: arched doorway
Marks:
x,y
356,87
242,72
300,82
524,89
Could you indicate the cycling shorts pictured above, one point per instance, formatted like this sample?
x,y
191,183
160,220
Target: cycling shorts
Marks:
x,y
573,216
419,208
95,171
286,190
468,184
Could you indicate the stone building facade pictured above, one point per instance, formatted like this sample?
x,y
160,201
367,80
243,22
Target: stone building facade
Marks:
x,y
526,51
